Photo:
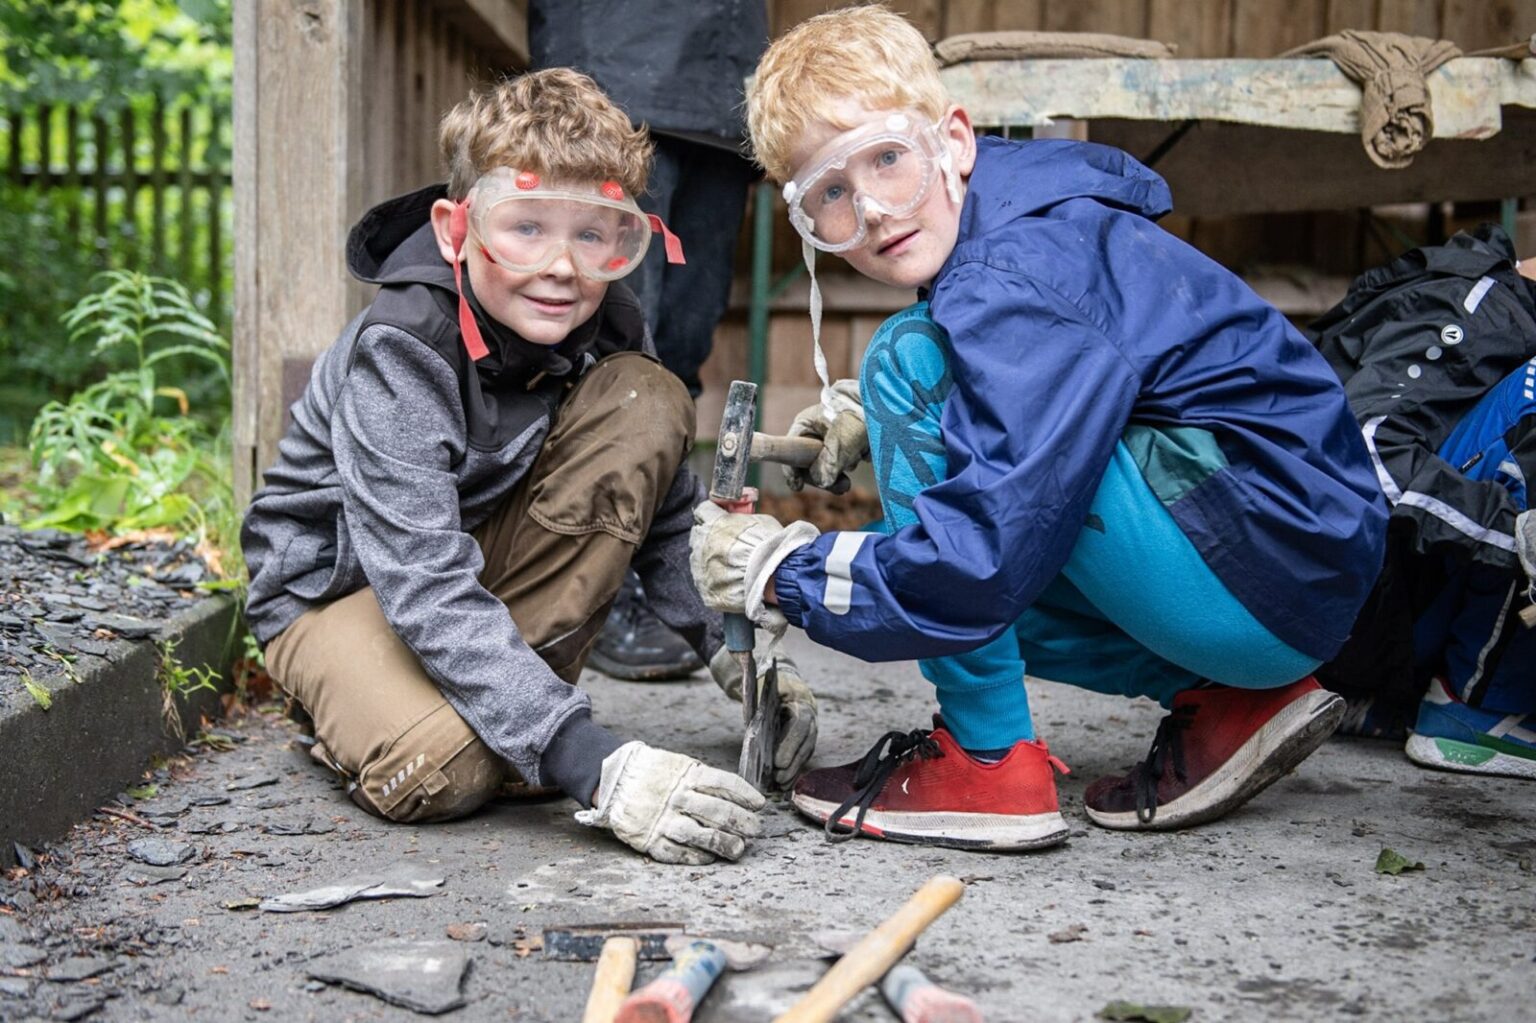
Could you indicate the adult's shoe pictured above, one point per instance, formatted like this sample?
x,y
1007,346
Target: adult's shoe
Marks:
x,y
1451,736
1220,747
636,646
921,787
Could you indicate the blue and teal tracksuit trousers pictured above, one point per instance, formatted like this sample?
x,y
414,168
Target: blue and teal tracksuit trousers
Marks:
x,y
1134,611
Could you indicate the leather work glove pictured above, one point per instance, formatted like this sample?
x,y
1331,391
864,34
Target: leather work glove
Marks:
x,y
797,712
733,557
673,808
845,440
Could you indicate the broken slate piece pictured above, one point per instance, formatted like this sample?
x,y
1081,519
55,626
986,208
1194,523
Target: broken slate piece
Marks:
x,y
160,852
135,874
20,955
351,889
16,987
219,827
424,976
79,968
125,626
304,826
250,781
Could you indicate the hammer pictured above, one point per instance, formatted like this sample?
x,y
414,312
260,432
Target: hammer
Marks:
x,y
736,448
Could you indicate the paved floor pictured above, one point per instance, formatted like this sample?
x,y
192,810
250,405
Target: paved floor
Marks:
x,y
1274,913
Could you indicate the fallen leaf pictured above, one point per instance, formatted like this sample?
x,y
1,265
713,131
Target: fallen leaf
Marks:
x,y
236,905
1130,1012
218,969
466,931
1073,932
1392,862
260,1004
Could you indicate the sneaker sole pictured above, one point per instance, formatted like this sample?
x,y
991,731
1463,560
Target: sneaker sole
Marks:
x,y
642,672
1466,758
1269,754
953,830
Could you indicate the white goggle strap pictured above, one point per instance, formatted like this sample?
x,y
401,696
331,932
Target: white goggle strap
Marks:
x,y
828,410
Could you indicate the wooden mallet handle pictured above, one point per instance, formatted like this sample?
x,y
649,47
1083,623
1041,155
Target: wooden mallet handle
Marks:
x,y
611,983
876,953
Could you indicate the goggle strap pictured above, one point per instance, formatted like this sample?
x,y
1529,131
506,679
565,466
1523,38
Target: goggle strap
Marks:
x,y
469,330
669,241
808,253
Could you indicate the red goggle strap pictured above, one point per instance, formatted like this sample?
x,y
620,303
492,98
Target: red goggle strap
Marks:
x,y
670,241
458,230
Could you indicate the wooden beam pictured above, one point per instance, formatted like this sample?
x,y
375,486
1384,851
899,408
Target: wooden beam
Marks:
x,y
1220,169
499,28
1309,95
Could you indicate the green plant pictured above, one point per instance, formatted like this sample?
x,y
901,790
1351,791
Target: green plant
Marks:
x,y
176,679
39,694
126,452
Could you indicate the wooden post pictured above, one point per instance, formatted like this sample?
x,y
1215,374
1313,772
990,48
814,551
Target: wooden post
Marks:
x,y
72,169
99,183
215,223
157,185
184,193
298,132
130,216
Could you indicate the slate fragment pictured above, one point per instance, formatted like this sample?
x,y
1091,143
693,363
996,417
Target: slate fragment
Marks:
x,y
350,889
19,955
301,826
423,976
160,852
250,781
145,875
78,968
1131,1012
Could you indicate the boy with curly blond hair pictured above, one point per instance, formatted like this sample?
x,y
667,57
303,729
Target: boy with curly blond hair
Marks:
x,y
474,464
1101,457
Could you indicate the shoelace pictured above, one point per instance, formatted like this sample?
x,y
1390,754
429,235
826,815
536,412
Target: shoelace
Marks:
x,y
1167,745
890,752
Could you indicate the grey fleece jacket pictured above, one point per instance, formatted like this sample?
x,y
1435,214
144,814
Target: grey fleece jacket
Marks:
x,y
400,446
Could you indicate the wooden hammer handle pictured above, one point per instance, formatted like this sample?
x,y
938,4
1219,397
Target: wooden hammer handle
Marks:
x,y
612,981
876,953
799,452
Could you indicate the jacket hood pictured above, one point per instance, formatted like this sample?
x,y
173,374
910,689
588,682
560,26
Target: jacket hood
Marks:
x,y
1021,179
389,246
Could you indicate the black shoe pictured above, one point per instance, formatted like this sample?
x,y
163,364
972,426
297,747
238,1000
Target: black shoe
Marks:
x,y
636,646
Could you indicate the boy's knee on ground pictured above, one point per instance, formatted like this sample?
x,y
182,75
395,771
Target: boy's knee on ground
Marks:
x,y
437,771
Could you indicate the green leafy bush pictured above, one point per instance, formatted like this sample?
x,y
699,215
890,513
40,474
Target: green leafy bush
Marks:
x,y
127,452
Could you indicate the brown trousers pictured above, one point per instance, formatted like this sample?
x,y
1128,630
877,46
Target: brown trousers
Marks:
x,y
555,554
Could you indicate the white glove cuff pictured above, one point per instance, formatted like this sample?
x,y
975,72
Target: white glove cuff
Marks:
x,y
613,767
842,396
765,560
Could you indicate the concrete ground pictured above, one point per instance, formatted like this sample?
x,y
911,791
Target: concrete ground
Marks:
x,y
1274,913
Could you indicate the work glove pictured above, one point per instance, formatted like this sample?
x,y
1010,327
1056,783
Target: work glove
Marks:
x,y
797,712
673,808
844,440
733,556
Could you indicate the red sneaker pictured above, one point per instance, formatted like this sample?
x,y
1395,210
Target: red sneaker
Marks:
x,y
926,790
1218,749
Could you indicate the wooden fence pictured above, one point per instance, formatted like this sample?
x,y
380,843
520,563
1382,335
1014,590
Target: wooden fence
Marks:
x,y
146,187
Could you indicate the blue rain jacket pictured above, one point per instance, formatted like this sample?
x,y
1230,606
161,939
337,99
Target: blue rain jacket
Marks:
x,y
1072,316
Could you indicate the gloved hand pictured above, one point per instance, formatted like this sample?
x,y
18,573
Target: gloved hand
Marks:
x,y
797,713
733,557
845,440
673,808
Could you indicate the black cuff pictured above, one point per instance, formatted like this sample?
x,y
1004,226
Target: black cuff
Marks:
x,y
574,758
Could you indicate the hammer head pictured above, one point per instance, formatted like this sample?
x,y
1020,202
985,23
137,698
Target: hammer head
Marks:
x,y
733,449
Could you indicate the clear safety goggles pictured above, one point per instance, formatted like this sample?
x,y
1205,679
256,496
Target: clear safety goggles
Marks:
x,y
889,166
524,225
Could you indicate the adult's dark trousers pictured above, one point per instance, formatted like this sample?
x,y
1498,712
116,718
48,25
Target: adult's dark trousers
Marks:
x,y
700,191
